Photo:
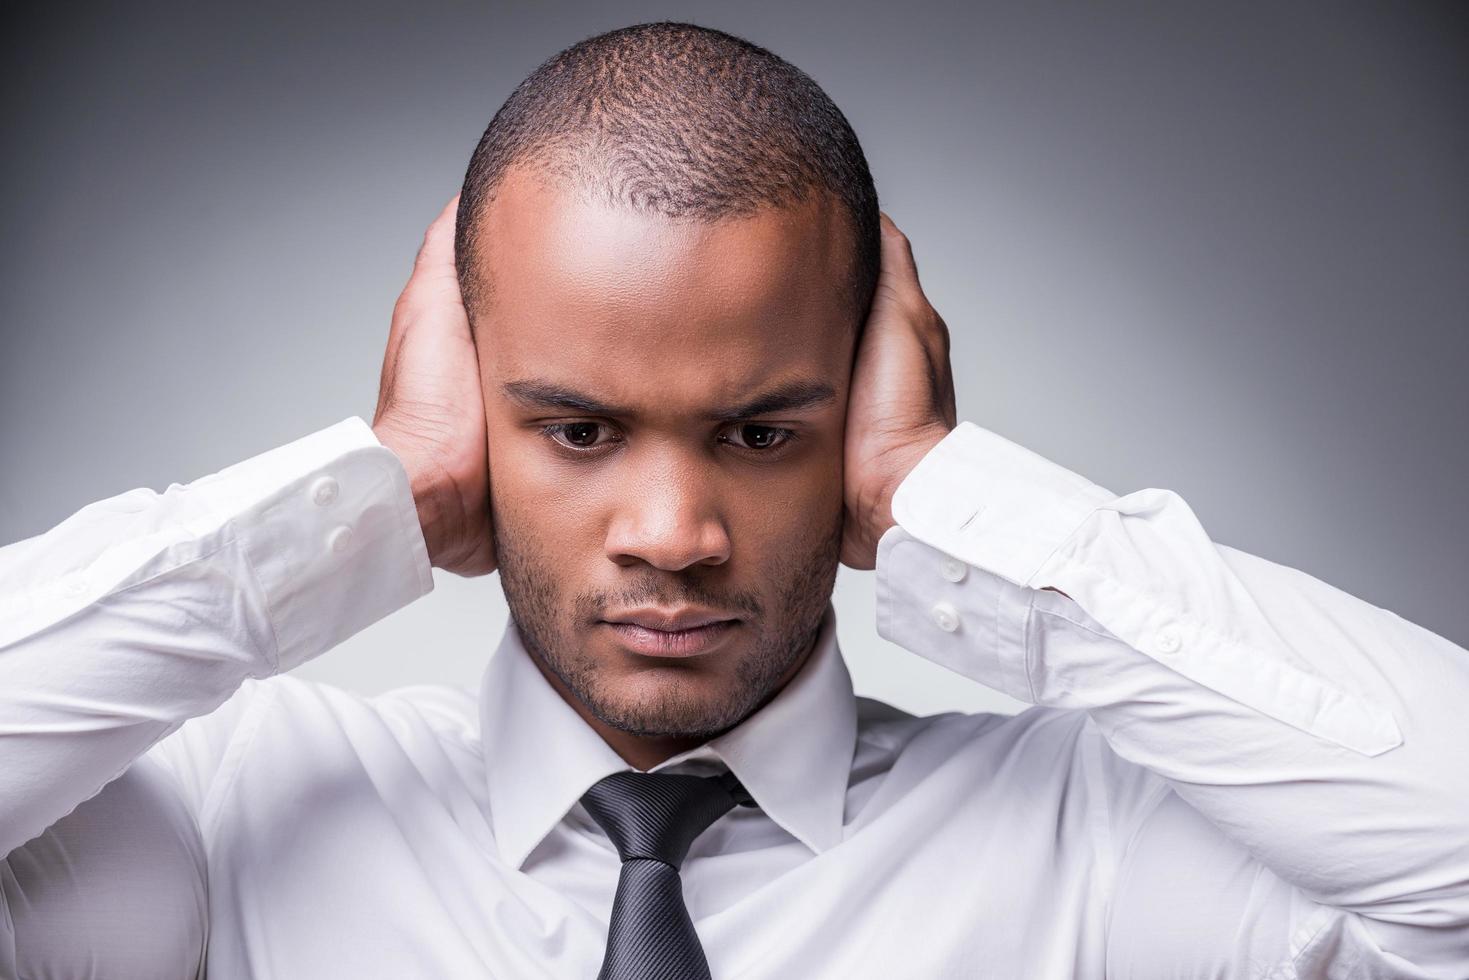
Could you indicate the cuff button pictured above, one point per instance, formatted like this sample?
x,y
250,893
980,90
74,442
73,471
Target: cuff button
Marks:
x,y
324,491
340,539
945,617
1168,640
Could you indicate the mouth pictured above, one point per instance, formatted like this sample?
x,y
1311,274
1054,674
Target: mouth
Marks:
x,y
684,632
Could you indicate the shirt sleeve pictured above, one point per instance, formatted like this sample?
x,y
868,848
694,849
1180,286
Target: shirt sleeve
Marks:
x,y
145,610
1319,734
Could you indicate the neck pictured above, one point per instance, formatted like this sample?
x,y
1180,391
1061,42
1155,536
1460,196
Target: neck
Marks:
x,y
643,752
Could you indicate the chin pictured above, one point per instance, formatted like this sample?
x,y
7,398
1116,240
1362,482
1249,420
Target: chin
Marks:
x,y
669,700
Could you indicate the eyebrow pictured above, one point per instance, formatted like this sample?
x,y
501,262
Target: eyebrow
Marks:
x,y
790,396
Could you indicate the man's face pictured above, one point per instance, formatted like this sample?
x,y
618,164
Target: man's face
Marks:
x,y
665,403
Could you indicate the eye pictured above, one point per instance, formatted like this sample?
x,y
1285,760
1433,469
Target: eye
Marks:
x,y
747,435
579,435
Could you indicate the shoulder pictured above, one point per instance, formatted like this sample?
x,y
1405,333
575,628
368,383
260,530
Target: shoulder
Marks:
x,y
439,705
450,712
312,724
1041,751
309,716
1035,730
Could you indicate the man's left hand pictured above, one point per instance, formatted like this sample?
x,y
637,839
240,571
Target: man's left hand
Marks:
x,y
902,398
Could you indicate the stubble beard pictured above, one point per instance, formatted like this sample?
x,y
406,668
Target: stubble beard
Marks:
x,y
783,634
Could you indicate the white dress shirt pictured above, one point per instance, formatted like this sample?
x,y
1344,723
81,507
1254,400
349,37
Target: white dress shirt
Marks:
x,y
1231,769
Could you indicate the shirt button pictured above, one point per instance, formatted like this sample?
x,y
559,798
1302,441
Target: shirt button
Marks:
x,y
74,584
340,539
945,617
954,570
324,491
1168,640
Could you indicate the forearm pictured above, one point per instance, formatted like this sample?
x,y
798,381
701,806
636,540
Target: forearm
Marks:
x,y
1311,728
144,610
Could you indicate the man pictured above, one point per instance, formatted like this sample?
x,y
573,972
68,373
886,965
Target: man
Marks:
x,y
693,369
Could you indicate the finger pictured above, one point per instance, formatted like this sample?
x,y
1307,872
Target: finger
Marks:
x,y
436,254
435,280
433,269
898,265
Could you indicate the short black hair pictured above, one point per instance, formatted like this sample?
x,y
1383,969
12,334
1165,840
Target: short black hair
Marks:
x,y
680,120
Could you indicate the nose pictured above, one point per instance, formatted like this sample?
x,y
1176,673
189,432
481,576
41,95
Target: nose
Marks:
x,y
669,517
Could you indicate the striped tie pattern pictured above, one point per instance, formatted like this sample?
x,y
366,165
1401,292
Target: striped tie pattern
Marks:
x,y
652,819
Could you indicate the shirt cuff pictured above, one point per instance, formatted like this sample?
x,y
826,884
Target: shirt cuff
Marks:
x,y
992,503
976,520
330,530
952,614
981,508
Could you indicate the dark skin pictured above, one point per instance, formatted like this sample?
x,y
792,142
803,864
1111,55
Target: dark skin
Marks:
x,y
675,420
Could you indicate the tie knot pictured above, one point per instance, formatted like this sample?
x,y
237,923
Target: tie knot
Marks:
x,y
657,815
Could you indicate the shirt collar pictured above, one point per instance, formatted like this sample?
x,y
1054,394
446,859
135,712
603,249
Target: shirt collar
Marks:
x,y
794,755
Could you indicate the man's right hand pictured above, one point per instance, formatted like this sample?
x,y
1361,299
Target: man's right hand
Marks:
x,y
430,410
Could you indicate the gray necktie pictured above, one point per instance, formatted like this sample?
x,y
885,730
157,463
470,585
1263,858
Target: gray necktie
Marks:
x,y
652,818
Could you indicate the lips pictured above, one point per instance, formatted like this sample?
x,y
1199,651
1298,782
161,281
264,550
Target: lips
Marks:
x,y
671,621
670,633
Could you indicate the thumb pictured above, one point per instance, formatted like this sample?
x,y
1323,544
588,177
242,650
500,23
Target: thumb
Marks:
x,y
435,259
898,279
438,240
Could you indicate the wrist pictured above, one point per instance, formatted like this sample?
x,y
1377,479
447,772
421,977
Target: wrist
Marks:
x,y
442,514
870,501
902,462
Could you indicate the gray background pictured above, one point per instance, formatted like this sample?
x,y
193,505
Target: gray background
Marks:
x,y
1219,249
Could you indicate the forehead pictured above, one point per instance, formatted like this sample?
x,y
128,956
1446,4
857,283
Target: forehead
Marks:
x,y
625,299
